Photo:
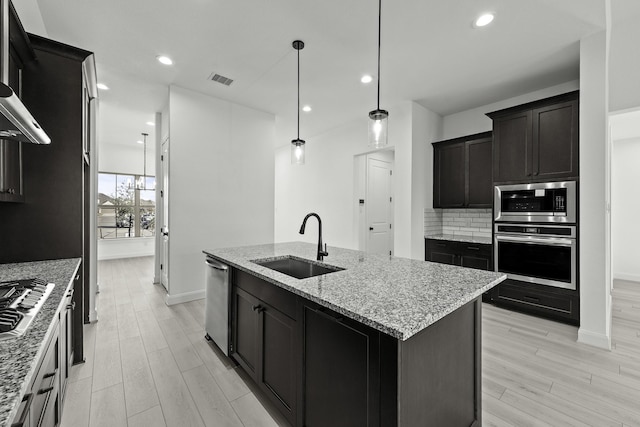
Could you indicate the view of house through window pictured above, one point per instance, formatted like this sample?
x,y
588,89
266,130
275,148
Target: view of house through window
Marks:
x,y
124,210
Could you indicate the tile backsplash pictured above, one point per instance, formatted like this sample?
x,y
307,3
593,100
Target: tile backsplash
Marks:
x,y
459,222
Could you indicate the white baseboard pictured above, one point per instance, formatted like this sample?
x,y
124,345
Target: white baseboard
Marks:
x,y
93,316
594,339
627,276
125,255
185,297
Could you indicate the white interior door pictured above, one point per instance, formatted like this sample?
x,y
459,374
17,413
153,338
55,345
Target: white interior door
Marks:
x,y
164,266
379,206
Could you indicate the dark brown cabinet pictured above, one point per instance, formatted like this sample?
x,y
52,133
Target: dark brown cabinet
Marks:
x,y
11,171
462,172
265,340
544,301
536,141
339,351
470,255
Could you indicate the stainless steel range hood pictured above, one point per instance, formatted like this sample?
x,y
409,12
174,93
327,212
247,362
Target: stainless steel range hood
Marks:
x,y
21,125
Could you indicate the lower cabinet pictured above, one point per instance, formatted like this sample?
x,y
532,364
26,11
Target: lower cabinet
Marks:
x,y
471,255
41,403
265,340
544,301
339,351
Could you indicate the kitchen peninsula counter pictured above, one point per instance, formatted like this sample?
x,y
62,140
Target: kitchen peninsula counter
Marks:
x,y
19,356
397,296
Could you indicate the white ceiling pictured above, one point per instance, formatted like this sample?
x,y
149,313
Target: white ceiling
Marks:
x,y
430,53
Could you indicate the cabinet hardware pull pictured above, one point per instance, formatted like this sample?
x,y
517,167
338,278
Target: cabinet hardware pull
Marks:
x,y
25,412
258,308
45,390
531,299
441,244
50,374
71,306
473,248
77,278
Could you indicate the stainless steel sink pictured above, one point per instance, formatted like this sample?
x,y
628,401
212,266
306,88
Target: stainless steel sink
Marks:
x,y
297,267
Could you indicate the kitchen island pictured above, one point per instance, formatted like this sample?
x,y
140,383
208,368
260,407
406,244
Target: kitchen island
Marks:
x,y
384,341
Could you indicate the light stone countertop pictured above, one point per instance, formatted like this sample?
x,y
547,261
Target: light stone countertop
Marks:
x,y
19,356
397,296
458,238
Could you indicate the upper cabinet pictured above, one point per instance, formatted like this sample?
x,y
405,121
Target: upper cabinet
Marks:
x,y
536,141
462,172
18,52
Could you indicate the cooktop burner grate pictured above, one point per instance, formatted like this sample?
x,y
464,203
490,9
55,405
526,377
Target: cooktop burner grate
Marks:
x,y
20,301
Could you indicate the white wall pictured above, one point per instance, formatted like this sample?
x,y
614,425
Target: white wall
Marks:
x,y
595,306
475,120
126,159
625,209
624,62
221,183
325,184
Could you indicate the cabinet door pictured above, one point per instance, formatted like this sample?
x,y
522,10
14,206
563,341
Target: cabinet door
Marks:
x,y
11,171
449,182
246,339
341,377
512,147
279,362
479,173
474,255
442,251
555,136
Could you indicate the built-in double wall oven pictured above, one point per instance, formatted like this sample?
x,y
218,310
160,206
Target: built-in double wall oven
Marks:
x,y
535,236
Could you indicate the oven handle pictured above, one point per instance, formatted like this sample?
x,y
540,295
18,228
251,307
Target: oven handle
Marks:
x,y
531,240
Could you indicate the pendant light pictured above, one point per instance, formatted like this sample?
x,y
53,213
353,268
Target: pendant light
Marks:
x,y
142,180
298,145
378,123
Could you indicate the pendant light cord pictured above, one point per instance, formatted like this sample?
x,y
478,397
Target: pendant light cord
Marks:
x,y
379,30
298,94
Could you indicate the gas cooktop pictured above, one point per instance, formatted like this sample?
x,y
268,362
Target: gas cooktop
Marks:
x,y
20,301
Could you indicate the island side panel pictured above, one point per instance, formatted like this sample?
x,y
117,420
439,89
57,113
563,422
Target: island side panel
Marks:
x,y
440,372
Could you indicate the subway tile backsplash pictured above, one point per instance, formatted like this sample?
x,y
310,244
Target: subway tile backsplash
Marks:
x,y
458,222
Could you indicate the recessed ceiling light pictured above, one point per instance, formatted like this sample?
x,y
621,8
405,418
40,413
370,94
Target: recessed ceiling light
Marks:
x,y
140,142
483,20
306,108
151,123
165,60
366,79
102,86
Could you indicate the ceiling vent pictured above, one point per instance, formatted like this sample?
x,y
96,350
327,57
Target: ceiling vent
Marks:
x,y
221,79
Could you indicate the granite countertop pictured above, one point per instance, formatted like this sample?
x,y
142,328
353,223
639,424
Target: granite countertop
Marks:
x,y
458,238
397,296
19,356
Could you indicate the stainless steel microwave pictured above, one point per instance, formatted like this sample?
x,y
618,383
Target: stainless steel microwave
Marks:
x,y
536,202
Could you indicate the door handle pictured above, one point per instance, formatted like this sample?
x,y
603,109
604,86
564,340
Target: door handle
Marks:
x,y
370,228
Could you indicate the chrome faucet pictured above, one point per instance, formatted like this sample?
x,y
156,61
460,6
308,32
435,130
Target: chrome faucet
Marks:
x,y
321,253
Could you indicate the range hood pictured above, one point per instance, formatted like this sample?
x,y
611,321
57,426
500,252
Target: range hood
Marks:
x,y
20,124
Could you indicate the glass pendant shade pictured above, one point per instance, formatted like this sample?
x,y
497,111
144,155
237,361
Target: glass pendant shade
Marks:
x,y
378,128
297,152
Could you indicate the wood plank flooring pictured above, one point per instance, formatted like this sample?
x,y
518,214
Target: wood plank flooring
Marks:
x,y
149,365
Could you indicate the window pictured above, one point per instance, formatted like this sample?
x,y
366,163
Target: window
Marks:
x,y
123,210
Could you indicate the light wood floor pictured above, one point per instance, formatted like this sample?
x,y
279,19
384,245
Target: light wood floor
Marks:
x,y
149,365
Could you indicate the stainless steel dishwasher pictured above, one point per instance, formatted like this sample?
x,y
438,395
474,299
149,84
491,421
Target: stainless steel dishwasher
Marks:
x,y
216,319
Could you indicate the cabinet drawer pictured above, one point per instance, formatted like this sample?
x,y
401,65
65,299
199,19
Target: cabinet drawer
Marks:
x,y
271,294
538,299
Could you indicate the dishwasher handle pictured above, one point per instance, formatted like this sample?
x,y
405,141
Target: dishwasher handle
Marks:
x,y
215,265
